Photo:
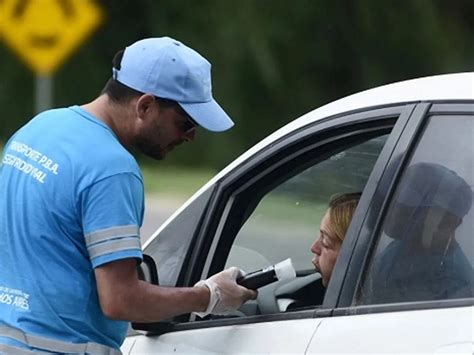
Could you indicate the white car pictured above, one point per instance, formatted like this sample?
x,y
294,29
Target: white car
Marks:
x,y
403,282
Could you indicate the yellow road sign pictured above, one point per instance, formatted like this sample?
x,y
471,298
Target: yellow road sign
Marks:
x,y
45,32
1,18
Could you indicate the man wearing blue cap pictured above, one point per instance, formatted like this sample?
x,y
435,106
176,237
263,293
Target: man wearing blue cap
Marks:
x,y
73,203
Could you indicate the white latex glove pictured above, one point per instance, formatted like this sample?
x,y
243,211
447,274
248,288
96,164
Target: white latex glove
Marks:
x,y
225,294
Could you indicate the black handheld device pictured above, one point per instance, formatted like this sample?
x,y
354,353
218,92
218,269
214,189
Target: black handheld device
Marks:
x,y
256,279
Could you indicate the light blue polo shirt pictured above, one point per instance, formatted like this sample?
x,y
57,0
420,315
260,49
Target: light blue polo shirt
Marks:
x,y
72,199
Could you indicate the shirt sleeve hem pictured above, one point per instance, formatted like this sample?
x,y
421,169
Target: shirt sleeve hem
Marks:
x,y
108,258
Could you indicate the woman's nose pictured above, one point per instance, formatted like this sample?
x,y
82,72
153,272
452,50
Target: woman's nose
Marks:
x,y
315,247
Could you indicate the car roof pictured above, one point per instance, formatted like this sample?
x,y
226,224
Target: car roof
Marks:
x,y
458,86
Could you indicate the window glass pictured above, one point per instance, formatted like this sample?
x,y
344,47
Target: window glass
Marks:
x,y
286,221
170,248
425,247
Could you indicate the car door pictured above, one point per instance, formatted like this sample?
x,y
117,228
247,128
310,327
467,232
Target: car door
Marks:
x,y
263,211
408,287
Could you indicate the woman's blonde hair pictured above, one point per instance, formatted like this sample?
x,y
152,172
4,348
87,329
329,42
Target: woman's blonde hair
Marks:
x,y
341,210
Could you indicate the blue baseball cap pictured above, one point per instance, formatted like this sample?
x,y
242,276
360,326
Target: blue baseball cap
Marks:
x,y
166,68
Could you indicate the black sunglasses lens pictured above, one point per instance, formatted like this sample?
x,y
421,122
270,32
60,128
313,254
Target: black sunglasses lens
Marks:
x,y
188,125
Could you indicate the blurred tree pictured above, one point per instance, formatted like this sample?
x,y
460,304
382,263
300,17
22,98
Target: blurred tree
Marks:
x,y
273,60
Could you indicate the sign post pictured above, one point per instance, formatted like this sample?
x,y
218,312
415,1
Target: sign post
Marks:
x,y
44,33
43,92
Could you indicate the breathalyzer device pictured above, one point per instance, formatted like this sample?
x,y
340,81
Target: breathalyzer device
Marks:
x,y
284,270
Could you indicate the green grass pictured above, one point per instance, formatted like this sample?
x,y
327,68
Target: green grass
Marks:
x,y
176,181
284,210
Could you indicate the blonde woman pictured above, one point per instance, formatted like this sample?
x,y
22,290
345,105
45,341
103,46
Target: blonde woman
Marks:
x,y
332,231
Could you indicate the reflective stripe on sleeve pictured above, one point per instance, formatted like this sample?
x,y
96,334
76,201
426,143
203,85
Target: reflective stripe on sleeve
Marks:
x,y
9,349
111,233
114,245
57,346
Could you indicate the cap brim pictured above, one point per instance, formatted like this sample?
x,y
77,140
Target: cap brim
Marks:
x,y
208,115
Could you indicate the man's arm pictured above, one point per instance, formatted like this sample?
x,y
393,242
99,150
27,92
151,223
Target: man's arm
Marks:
x,y
123,296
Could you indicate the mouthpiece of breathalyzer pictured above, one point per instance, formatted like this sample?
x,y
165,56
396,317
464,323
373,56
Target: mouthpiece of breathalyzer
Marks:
x,y
282,271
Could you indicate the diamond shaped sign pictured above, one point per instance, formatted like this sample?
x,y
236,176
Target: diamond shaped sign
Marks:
x,y
1,18
44,33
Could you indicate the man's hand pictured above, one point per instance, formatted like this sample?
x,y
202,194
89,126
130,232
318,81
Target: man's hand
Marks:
x,y
225,294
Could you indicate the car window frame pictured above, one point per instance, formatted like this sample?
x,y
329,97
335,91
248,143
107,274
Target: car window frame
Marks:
x,y
369,231
263,183
338,289
198,267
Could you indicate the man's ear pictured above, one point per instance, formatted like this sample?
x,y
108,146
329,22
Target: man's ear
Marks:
x,y
144,105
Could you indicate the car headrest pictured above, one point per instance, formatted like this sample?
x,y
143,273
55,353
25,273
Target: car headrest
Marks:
x,y
429,194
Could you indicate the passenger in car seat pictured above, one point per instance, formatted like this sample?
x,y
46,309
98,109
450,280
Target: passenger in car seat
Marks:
x,y
333,229
424,260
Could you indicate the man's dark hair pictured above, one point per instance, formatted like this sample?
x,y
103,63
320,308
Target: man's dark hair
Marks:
x,y
120,93
115,90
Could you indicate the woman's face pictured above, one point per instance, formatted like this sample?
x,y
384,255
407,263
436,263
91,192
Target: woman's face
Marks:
x,y
326,249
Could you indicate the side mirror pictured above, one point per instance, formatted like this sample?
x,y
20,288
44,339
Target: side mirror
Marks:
x,y
147,270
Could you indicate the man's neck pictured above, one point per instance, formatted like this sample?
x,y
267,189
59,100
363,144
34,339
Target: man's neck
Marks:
x,y
113,115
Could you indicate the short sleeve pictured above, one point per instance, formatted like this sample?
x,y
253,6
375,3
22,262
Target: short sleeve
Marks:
x,y
112,214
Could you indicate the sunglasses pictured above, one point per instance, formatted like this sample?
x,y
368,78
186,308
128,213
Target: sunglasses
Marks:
x,y
187,124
